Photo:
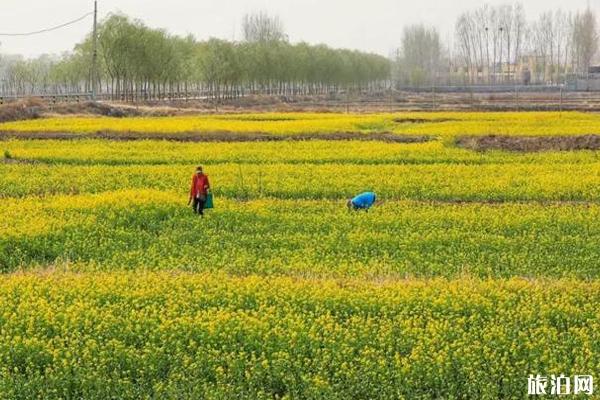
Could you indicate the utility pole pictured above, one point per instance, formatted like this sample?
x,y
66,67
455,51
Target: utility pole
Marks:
x,y
95,52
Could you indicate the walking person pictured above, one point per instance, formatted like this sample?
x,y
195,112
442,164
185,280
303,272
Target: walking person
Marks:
x,y
199,191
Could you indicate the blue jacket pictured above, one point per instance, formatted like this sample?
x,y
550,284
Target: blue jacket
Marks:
x,y
364,200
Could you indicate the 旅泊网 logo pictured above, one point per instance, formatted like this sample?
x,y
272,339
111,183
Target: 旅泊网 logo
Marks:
x,y
560,385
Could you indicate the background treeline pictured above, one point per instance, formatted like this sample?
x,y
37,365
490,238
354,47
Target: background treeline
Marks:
x,y
491,45
137,62
498,45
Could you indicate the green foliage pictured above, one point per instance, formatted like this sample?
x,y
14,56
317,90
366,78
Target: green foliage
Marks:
x,y
213,336
135,60
477,270
154,230
281,209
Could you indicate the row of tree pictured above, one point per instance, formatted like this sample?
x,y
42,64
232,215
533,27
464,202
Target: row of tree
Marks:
x,y
492,45
138,62
496,44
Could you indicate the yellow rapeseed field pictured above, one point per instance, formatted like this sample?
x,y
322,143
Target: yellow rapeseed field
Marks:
x,y
173,335
477,270
444,124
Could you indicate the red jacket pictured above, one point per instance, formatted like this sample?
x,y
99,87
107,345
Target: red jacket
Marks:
x,y
200,185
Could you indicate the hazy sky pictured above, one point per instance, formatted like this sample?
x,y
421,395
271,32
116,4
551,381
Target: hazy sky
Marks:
x,y
371,25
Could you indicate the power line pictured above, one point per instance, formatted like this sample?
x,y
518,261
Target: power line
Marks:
x,y
48,29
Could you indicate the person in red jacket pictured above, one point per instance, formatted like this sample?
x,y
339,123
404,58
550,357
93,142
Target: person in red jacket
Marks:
x,y
199,191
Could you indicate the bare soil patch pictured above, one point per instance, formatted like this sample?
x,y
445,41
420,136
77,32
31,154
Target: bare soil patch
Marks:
x,y
219,136
16,161
20,110
530,143
261,119
422,120
378,101
32,108
94,108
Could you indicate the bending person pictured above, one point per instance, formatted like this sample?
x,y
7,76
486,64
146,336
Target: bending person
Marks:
x,y
363,201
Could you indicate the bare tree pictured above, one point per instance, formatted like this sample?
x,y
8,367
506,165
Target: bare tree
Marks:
x,y
584,39
561,26
542,45
491,35
479,23
518,29
420,56
463,42
505,28
262,28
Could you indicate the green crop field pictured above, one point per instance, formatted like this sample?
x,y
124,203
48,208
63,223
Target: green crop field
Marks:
x,y
476,270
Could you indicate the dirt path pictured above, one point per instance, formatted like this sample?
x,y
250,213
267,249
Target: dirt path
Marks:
x,y
530,143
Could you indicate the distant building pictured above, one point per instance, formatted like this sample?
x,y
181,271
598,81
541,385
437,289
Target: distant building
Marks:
x,y
594,70
588,82
529,69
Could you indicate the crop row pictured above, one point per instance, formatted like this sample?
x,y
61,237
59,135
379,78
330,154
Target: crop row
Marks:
x,y
439,124
141,230
313,152
444,182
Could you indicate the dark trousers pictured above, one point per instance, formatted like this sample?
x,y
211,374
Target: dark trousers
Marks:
x,y
198,204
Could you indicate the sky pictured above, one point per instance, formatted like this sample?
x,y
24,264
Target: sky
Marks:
x,y
368,25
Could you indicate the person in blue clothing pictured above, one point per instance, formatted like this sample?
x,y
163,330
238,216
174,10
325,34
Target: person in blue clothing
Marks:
x,y
363,201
